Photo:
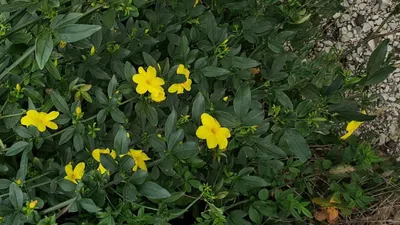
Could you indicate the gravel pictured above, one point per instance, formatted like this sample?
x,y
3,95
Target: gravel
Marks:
x,y
355,23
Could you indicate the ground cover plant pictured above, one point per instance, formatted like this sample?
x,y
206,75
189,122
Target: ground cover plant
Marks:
x,y
181,112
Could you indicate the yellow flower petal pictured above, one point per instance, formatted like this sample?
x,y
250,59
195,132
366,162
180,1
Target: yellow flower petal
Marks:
x,y
79,170
142,165
68,169
27,121
151,72
141,89
101,169
182,70
173,88
209,121
113,154
96,154
203,132
224,132
188,85
139,78
51,125
212,141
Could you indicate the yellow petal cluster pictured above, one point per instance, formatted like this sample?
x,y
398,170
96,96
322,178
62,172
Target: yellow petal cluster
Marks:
x,y
74,174
212,132
96,155
32,204
147,81
40,120
187,85
140,159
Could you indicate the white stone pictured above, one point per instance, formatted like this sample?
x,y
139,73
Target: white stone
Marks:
x,y
371,44
328,43
362,6
392,99
366,27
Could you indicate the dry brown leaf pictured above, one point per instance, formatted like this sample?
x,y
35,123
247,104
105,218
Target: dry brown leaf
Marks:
x,y
333,215
255,70
320,215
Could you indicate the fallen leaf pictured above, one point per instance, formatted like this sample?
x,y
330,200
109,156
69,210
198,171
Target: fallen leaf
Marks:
x,y
333,215
320,215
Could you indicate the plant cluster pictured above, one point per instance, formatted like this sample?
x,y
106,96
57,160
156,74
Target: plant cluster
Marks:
x,y
180,112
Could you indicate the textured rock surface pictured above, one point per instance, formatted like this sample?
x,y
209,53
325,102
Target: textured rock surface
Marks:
x,y
354,24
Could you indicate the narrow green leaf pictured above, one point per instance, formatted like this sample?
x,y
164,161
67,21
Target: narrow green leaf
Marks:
x,y
153,191
43,48
284,99
16,148
212,71
88,205
108,162
242,101
304,108
59,102
66,135
170,124
76,32
121,141
53,70
16,196
244,63
377,58
296,144
199,107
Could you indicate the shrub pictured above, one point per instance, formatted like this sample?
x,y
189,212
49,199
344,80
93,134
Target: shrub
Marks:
x,y
167,112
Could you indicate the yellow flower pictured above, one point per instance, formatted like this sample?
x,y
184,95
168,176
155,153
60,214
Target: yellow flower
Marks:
x,y
351,127
32,204
78,110
63,44
225,98
18,182
212,132
74,174
148,81
92,50
139,157
178,88
158,97
196,3
40,120
18,87
96,155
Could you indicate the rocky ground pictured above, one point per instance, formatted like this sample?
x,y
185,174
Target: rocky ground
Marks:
x,y
360,18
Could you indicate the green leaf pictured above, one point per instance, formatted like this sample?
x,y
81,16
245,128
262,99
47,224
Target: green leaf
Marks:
x,y
213,71
108,162
149,60
284,99
53,70
263,194
76,32
377,58
269,149
170,124
254,215
78,142
121,141
326,164
254,117
127,163
59,102
23,165
380,75
43,48
62,20
242,101
186,150
151,114
199,107
175,138
296,144
254,181
4,183
183,46
66,135
109,18
304,108
112,86
16,148
16,196
14,6
244,63
152,190
118,116
129,192
226,119
88,205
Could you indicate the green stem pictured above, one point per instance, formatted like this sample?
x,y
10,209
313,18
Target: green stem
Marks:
x,y
58,206
127,101
63,130
136,204
17,62
11,115
175,215
2,108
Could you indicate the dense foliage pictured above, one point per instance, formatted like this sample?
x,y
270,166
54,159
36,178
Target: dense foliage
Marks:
x,y
180,112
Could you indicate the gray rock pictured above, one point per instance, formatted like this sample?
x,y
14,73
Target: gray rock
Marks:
x,y
362,6
366,27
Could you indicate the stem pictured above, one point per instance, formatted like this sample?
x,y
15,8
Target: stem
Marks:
x,y
17,62
174,215
236,204
136,204
62,131
58,206
127,101
2,108
11,115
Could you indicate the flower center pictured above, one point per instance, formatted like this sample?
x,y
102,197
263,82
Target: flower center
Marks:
x,y
214,130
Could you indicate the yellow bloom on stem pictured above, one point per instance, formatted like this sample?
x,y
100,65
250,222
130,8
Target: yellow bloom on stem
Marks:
x,y
351,127
225,98
63,44
148,81
32,204
178,88
212,132
158,97
18,88
74,174
139,157
40,120
96,155
92,50
196,3
78,110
